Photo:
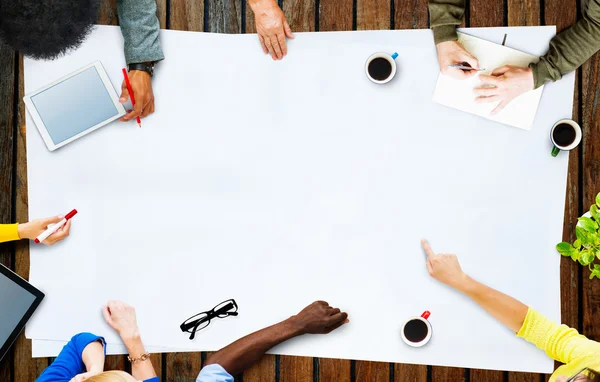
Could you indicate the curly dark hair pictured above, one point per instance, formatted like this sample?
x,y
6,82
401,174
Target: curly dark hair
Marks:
x,y
46,29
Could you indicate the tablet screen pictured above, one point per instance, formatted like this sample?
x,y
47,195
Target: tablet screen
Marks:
x,y
15,302
74,105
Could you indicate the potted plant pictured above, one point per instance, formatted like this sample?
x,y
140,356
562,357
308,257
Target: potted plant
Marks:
x,y
586,249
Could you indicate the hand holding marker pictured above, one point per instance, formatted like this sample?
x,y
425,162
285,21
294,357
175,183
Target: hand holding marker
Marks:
x,y
54,227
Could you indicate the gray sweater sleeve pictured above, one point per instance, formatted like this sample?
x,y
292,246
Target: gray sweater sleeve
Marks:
x,y
140,27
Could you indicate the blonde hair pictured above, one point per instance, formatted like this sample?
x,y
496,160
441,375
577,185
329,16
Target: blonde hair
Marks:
x,y
108,376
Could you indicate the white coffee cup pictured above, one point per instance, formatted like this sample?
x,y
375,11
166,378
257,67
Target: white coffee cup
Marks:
x,y
417,342
389,58
557,146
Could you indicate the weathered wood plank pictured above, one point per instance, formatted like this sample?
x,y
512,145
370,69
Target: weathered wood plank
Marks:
x,y
485,13
300,14
295,369
187,15
262,371
335,15
334,369
372,14
107,13
372,371
440,373
523,377
410,14
7,78
410,373
523,12
590,97
478,375
224,16
183,367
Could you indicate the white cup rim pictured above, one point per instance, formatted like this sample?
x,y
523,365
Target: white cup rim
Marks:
x,y
425,340
387,57
578,134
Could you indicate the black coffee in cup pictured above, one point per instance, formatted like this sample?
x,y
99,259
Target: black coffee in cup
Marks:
x,y
416,330
380,68
564,134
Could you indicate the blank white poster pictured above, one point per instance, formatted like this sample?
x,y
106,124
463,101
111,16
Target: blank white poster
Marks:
x,y
281,183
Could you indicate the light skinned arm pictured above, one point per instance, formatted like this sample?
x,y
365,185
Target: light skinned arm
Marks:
x,y
272,27
446,269
93,359
121,317
317,318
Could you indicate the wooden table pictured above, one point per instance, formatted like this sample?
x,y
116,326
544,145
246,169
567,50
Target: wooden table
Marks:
x,y
580,296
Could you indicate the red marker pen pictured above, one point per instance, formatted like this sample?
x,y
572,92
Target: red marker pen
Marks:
x,y
54,227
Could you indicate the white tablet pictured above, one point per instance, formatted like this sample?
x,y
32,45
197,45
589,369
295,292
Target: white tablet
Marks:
x,y
74,106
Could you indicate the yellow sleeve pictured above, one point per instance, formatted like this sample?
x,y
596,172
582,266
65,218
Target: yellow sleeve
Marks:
x,y
9,232
560,342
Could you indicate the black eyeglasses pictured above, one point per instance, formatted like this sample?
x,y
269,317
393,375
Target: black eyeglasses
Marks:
x,y
585,374
201,320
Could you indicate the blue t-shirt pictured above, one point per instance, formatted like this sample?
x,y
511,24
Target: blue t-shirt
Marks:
x,y
214,373
69,363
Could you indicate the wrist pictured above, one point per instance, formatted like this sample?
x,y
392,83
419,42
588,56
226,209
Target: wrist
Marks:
x,y
132,337
294,327
24,231
463,284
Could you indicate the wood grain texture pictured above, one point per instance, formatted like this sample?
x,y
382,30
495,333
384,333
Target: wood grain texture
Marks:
x,y
335,15
478,375
440,373
300,14
590,98
523,12
334,369
262,371
7,80
410,373
485,13
523,377
224,16
250,20
107,13
410,14
187,15
372,14
183,367
295,369
372,371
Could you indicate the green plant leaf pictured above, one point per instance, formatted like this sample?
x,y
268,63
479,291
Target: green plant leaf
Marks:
x,y
564,249
598,199
597,253
595,273
595,212
586,257
582,236
575,255
577,244
597,267
588,224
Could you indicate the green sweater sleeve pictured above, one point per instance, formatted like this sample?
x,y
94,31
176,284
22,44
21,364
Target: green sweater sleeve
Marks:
x,y
445,16
571,48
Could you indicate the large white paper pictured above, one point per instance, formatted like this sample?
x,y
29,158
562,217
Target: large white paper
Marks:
x,y
280,183
459,94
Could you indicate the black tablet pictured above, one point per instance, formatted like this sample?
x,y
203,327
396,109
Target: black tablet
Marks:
x,y
18,301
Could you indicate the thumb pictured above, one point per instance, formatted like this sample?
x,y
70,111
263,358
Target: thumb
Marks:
x,y
124,93
288,30
501,70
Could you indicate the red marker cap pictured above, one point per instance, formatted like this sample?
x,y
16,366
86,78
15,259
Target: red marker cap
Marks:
x,y
71,214
426,314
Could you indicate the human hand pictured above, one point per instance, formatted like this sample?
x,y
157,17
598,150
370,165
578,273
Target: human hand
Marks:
x,y
444,268
35,228
141,84
121,317
319,318
452,52
272,27
85,376
503,85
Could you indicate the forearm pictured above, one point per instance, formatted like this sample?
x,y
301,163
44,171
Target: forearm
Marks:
x,y
502,307
445,16
9,232
140,29
140,370
93,356
259,3
241,354
571,48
